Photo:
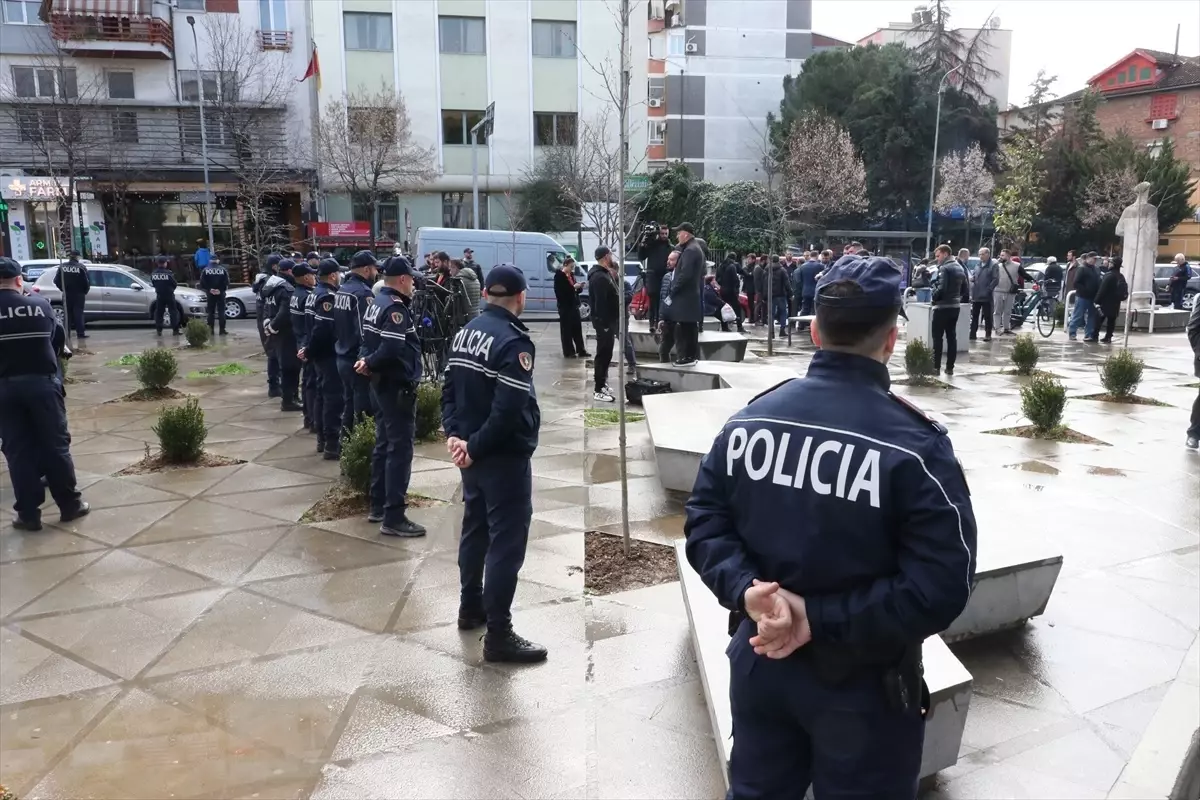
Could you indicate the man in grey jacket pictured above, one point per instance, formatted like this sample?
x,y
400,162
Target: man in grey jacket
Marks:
x,y
984,284
686,308
1005,293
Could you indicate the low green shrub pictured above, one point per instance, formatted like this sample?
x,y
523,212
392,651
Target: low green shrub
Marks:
x,y
1121,373
1043,400
197,333
918,360
1025,354
181,432
356,454
429,410
156,368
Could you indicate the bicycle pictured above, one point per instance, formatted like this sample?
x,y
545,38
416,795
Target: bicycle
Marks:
x,y
1039,303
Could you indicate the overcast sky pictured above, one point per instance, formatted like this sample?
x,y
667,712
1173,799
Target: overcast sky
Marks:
x,y
1073,39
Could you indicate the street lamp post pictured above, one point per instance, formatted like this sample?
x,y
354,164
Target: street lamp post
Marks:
x,y
484,125
191,21
937,128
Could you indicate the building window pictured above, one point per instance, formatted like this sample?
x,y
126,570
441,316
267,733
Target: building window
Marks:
x,y
120,85
371,126
1112,82
656,88
462,35
22,12
217,86
456,127
191,5
676,44
1164,106
1132,73
29,125
1145,74
554,129
553,39
655,131
368,31
189,129
39,82
125,127
272,15
1154,148
1121,79
458,210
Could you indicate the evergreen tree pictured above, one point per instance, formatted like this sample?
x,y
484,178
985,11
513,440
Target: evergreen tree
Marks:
x,y
1039,118
1172,185
943,48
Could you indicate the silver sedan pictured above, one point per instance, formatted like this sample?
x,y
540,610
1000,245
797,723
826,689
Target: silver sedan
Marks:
x,y
119,292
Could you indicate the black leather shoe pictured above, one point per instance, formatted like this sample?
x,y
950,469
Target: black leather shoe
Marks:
x,y
28,525
320,445
471,617
507,646
80,510
273,393
375,516
286,406
334,455
405,528
585,354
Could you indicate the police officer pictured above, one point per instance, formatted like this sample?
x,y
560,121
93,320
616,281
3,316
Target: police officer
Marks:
x,y
878,554
305,278
391,359
349,304
72,279
320,353
163,280
313,259
265,273
277,310
33,416
491,418
214,282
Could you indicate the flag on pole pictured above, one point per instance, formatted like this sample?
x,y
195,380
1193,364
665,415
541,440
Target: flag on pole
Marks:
x,y
314,69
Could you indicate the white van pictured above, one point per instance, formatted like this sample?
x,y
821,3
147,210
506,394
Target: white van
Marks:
x,y
537,255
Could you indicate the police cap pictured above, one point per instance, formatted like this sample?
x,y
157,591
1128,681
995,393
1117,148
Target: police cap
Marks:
x,y
363,258
274,259
286,265
328,266
313,255
9,269
396,266
504,280
879,279
162,260
302,269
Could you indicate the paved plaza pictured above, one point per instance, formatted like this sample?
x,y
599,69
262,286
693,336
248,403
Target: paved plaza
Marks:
x,y
189,639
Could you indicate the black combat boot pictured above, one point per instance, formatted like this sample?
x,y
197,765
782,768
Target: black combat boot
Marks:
x,y
78,511
507,646
471,616
405,528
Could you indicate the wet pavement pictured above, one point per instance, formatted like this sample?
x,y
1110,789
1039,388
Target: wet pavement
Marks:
x,y
189,639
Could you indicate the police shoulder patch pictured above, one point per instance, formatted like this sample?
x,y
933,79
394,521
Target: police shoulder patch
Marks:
x,y
397,318
525,360
327,304
928,420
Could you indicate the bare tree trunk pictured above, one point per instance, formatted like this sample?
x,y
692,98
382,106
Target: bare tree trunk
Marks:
x,y
621,321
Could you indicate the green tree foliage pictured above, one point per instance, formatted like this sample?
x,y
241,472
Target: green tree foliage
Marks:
x,y
945,48
1039,117
888,104
1172,186
675,196
542,206
1021,189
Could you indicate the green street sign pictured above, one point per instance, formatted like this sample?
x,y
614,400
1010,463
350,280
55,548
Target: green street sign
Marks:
x,y
3,206
638,182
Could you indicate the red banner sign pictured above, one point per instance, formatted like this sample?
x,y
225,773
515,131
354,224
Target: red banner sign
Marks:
x,y
340,230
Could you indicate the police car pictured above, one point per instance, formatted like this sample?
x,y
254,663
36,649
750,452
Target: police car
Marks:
x,y
118,292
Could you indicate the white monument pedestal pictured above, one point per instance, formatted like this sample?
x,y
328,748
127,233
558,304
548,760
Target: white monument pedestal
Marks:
x,y
920,324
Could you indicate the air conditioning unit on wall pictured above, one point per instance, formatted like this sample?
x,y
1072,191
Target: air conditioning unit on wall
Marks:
x,y
654,102
1159,124
692,47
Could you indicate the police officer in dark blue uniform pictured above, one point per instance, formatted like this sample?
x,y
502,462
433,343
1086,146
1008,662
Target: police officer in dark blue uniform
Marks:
x,y
320,353
72,278
214,282
391,359
277,310
265,273
33,416
163,280
305,277
349,305
491,418
832,518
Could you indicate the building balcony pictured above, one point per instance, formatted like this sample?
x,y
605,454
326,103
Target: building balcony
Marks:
x,y
103,36
275,40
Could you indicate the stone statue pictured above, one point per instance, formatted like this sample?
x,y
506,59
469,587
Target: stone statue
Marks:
x,y
1138,226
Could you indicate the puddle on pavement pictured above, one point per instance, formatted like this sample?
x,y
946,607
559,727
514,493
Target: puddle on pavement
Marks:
x,y
1109,471
1034,466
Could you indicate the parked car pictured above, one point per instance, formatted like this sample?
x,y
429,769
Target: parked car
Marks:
x,y
1162,285
119,292
33,269
239,300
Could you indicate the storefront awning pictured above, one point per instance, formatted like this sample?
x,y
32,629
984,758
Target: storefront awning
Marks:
x,y
101,8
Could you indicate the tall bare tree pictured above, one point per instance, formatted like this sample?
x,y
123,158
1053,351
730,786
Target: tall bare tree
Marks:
x,y
966,183
1107,194
366,147
825,175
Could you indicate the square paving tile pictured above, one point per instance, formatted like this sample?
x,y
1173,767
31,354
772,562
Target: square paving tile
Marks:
x,y
253,477
21,582
286,505
363,596
21,546
306,550
198,518
32,671
185,482
221,558
118,524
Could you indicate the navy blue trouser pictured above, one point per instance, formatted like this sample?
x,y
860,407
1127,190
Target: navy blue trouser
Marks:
x,y
75,304
272,358
165,311
356,394
329,390
284,345
790,730
214,305
36,443
391,460
497,508
309,396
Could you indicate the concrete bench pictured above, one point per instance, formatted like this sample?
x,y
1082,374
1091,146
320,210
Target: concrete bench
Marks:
x,y
682,427
714,345
948,680
705,375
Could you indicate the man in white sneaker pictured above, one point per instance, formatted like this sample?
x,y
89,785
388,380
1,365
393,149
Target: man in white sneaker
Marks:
x,y
607,305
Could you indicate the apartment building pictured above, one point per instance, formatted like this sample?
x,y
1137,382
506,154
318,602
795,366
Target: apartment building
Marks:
x,y
449,60
715,70
107,92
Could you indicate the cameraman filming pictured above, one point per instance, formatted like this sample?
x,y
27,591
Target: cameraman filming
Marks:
x,y
654,248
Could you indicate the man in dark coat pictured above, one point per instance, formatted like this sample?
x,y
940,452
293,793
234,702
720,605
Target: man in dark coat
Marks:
x,y
686,308
606,308
729,281
566,297
1113,290
1179,280
654,249
747,273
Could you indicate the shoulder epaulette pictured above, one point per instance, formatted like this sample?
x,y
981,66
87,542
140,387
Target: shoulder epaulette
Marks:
x,y
766,392
916,411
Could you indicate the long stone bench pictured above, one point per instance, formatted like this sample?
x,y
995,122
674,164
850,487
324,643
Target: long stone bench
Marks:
x,y
705,375
714,345
948,680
